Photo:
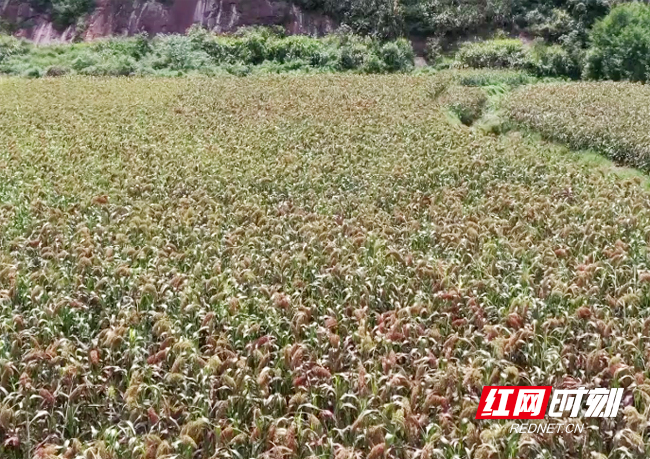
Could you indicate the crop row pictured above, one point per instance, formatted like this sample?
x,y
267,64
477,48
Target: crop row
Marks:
x,y
611,118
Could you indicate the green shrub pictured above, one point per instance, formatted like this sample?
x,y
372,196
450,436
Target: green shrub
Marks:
x,y
397,55
252,47
374,64
84,60
117,65
136,47
297,48
176,52
33,72
554,26
11,46
553,61
238,69
351,56
498,53
621,44
342,51
433,50
540,59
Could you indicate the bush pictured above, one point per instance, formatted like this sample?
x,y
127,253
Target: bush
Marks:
x,y
374,64
136,47
397,55
498,53
11,46
297,48
84,60
176,52
433,50
342,51
553,61
117,65
33,72
540,59
252,47
551,28
621,45
351,56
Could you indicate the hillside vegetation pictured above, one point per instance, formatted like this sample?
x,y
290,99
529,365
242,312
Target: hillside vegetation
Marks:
x,y
621,45
560,20
616,47
251,50
315,266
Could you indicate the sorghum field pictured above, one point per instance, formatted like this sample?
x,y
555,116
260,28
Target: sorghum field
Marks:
x,y
612,118
310,266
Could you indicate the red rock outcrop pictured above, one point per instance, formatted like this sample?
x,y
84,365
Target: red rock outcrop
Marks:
x,y
128,17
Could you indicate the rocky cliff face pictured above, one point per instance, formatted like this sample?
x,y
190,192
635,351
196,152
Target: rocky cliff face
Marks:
x,y
128,17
